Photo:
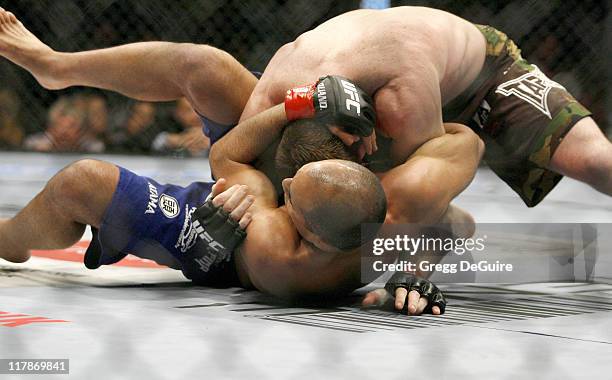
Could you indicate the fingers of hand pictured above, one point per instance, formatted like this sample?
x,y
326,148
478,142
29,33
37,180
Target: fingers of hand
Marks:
x,y
400,298
373,137
219,187
369,300
361,152
245,221
375,298
236,198
225,195
413,302
422,304
240,210
346,138
370,144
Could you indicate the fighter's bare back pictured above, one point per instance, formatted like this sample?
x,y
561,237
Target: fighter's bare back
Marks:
x,y
412,59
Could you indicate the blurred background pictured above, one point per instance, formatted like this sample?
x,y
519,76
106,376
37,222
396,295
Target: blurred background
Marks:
x,y
569,40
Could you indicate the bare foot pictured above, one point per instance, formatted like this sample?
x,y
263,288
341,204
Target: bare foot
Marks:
x,y
21,47
8,250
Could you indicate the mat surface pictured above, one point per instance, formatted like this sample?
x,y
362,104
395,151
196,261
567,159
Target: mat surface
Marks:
x,y
139,320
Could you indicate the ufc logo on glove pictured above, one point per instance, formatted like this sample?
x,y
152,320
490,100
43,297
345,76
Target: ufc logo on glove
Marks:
x,y
351,91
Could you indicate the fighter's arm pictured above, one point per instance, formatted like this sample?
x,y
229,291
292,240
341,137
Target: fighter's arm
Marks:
x,y
270,255
231,156
265,257
420,190
409,110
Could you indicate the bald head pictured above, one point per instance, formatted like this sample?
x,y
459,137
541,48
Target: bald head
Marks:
x,y
335,197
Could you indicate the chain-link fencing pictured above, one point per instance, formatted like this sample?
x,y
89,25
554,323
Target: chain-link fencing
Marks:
x,y
568,40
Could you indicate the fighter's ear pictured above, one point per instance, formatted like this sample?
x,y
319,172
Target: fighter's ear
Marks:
x,y
286,183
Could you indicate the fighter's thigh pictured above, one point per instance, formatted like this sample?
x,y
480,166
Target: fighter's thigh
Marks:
x,y
84,190
583,152
215,83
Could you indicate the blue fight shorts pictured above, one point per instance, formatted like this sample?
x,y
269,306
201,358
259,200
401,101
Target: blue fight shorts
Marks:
x,y
213,130
153,221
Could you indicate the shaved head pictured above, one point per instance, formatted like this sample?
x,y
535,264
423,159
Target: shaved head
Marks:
x,y
335,198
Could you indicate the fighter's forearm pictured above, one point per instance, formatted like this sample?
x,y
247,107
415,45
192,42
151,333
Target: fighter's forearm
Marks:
x,y
420,190
244,143
468,150
147,70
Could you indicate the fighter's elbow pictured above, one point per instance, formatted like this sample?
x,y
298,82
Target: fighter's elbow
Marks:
x,y
426,205
217,159
214,156
473,141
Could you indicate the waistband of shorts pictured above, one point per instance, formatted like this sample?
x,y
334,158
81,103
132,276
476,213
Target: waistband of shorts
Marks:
x,y
501,52
498,43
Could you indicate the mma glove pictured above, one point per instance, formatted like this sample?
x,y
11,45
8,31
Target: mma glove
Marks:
x,y
220,233
426,288
333,100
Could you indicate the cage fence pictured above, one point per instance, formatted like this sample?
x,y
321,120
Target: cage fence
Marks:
x,y
568,40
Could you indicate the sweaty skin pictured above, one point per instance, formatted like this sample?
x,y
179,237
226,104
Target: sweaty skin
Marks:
x,y
413,59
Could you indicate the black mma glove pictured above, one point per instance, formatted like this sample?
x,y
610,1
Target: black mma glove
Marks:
x,y
426,288
220,233
334,100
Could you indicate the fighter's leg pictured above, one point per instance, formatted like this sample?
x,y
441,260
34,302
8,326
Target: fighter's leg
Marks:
x,y
585,154
212,80
20,46
56,218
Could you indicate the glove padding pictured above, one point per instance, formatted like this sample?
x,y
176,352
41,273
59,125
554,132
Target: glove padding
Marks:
x,y
217,229
333,100
426,288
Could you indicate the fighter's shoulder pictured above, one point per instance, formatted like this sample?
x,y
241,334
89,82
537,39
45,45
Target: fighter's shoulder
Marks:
x,y
272,231
270,252
402,100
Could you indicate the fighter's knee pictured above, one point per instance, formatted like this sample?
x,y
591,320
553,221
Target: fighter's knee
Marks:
x,y
196,60
75,181
597,165
20,258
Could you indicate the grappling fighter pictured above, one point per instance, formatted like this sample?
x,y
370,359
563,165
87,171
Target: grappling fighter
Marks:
x,y
424,66
131,213
178,71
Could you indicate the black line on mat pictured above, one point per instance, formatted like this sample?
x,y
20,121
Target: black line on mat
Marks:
x,y
263,308
573,285
196,306
542,334
311,324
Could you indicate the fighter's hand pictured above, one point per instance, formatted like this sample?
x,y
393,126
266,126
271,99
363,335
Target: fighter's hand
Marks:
x,y
236,201
413,295
221,221
339,103
368,145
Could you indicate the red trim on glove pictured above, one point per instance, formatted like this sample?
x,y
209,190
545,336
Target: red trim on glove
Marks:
x,y
299,103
